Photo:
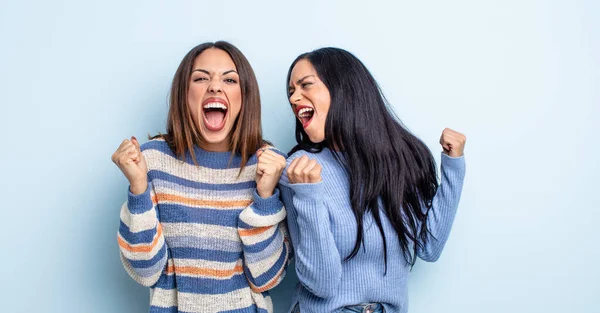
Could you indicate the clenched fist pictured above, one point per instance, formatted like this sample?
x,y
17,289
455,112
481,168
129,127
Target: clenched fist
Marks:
x,y
453,142
304,170
131,162
269,167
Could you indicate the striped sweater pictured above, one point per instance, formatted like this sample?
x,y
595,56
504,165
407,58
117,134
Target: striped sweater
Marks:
x,y
201,237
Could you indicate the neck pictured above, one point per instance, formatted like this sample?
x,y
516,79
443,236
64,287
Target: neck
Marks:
x,y
222,146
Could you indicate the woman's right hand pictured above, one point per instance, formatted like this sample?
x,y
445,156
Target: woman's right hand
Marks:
x,y
304,170
131,162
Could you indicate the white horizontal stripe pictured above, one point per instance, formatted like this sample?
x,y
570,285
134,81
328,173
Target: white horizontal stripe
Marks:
x,y
200,230
138,222
249,217
192,302
166,163
164,186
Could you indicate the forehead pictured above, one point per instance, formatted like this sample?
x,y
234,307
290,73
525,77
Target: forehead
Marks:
x,y
301,69
216,60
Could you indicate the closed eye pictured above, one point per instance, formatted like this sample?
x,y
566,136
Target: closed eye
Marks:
x,y
200,79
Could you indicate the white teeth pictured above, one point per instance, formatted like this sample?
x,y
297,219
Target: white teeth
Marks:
x,y
302,112
215,105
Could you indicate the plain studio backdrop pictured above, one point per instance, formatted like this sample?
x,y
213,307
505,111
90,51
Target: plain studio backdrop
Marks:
x,y
519,78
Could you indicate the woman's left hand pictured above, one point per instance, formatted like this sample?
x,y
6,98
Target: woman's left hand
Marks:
x,y
453,142
268,171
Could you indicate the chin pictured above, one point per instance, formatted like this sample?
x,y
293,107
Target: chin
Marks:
x,y
316,139
215,137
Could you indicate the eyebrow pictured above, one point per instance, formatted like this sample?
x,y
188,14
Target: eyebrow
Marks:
x,y
299,81
303,78
208,73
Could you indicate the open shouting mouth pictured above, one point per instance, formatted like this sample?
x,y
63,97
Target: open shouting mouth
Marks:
x,y
215,113
305,114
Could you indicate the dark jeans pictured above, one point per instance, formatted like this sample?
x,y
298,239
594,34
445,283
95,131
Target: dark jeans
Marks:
x,y
359,308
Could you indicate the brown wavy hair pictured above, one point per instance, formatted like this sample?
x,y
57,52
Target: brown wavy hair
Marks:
x,y
182,133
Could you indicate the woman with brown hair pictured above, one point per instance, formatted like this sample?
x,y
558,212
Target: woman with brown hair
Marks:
x,y
203,223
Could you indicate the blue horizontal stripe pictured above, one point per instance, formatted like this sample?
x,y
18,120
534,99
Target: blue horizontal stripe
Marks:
x,y
149,271
243,225
266,277
214,160
203,243
205,254
156,174
166,282
145,236
272,272
157,309
202,285
149,263
211,285
262,245
267,251
177,213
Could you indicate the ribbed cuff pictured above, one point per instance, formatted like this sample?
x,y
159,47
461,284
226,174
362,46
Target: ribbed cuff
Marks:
x,y
457,163
267,206
312,190
139,203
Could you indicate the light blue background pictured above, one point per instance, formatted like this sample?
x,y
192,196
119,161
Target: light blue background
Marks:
x,y
519,78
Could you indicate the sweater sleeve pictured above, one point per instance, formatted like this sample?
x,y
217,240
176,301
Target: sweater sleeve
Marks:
x,y
266,248
318,262
141,241
444,207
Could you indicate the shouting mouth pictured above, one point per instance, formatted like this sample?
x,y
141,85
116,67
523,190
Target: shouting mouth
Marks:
x,y
215,113
305,114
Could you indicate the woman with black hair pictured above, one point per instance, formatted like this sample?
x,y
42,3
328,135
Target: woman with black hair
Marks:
x,y
361,191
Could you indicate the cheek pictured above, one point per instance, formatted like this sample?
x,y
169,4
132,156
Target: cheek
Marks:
x,y
323,107
235,94
195,96
235,101
194,101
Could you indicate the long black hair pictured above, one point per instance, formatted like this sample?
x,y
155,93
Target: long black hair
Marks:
x,y
384,161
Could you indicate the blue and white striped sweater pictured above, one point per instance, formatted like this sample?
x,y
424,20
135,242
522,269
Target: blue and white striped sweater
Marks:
x,y
201,237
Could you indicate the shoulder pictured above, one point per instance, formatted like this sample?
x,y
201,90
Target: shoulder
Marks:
x,y
324,158
276,150
155,144
321,156
156,149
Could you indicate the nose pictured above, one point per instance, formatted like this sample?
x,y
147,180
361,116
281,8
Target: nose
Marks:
x,y
295,97
215,87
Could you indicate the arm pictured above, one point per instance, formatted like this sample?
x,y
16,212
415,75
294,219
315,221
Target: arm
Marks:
x,y
141,242
444,207
140,238
266,249
318,262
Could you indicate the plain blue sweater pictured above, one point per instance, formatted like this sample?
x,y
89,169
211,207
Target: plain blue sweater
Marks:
x,y
323,232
